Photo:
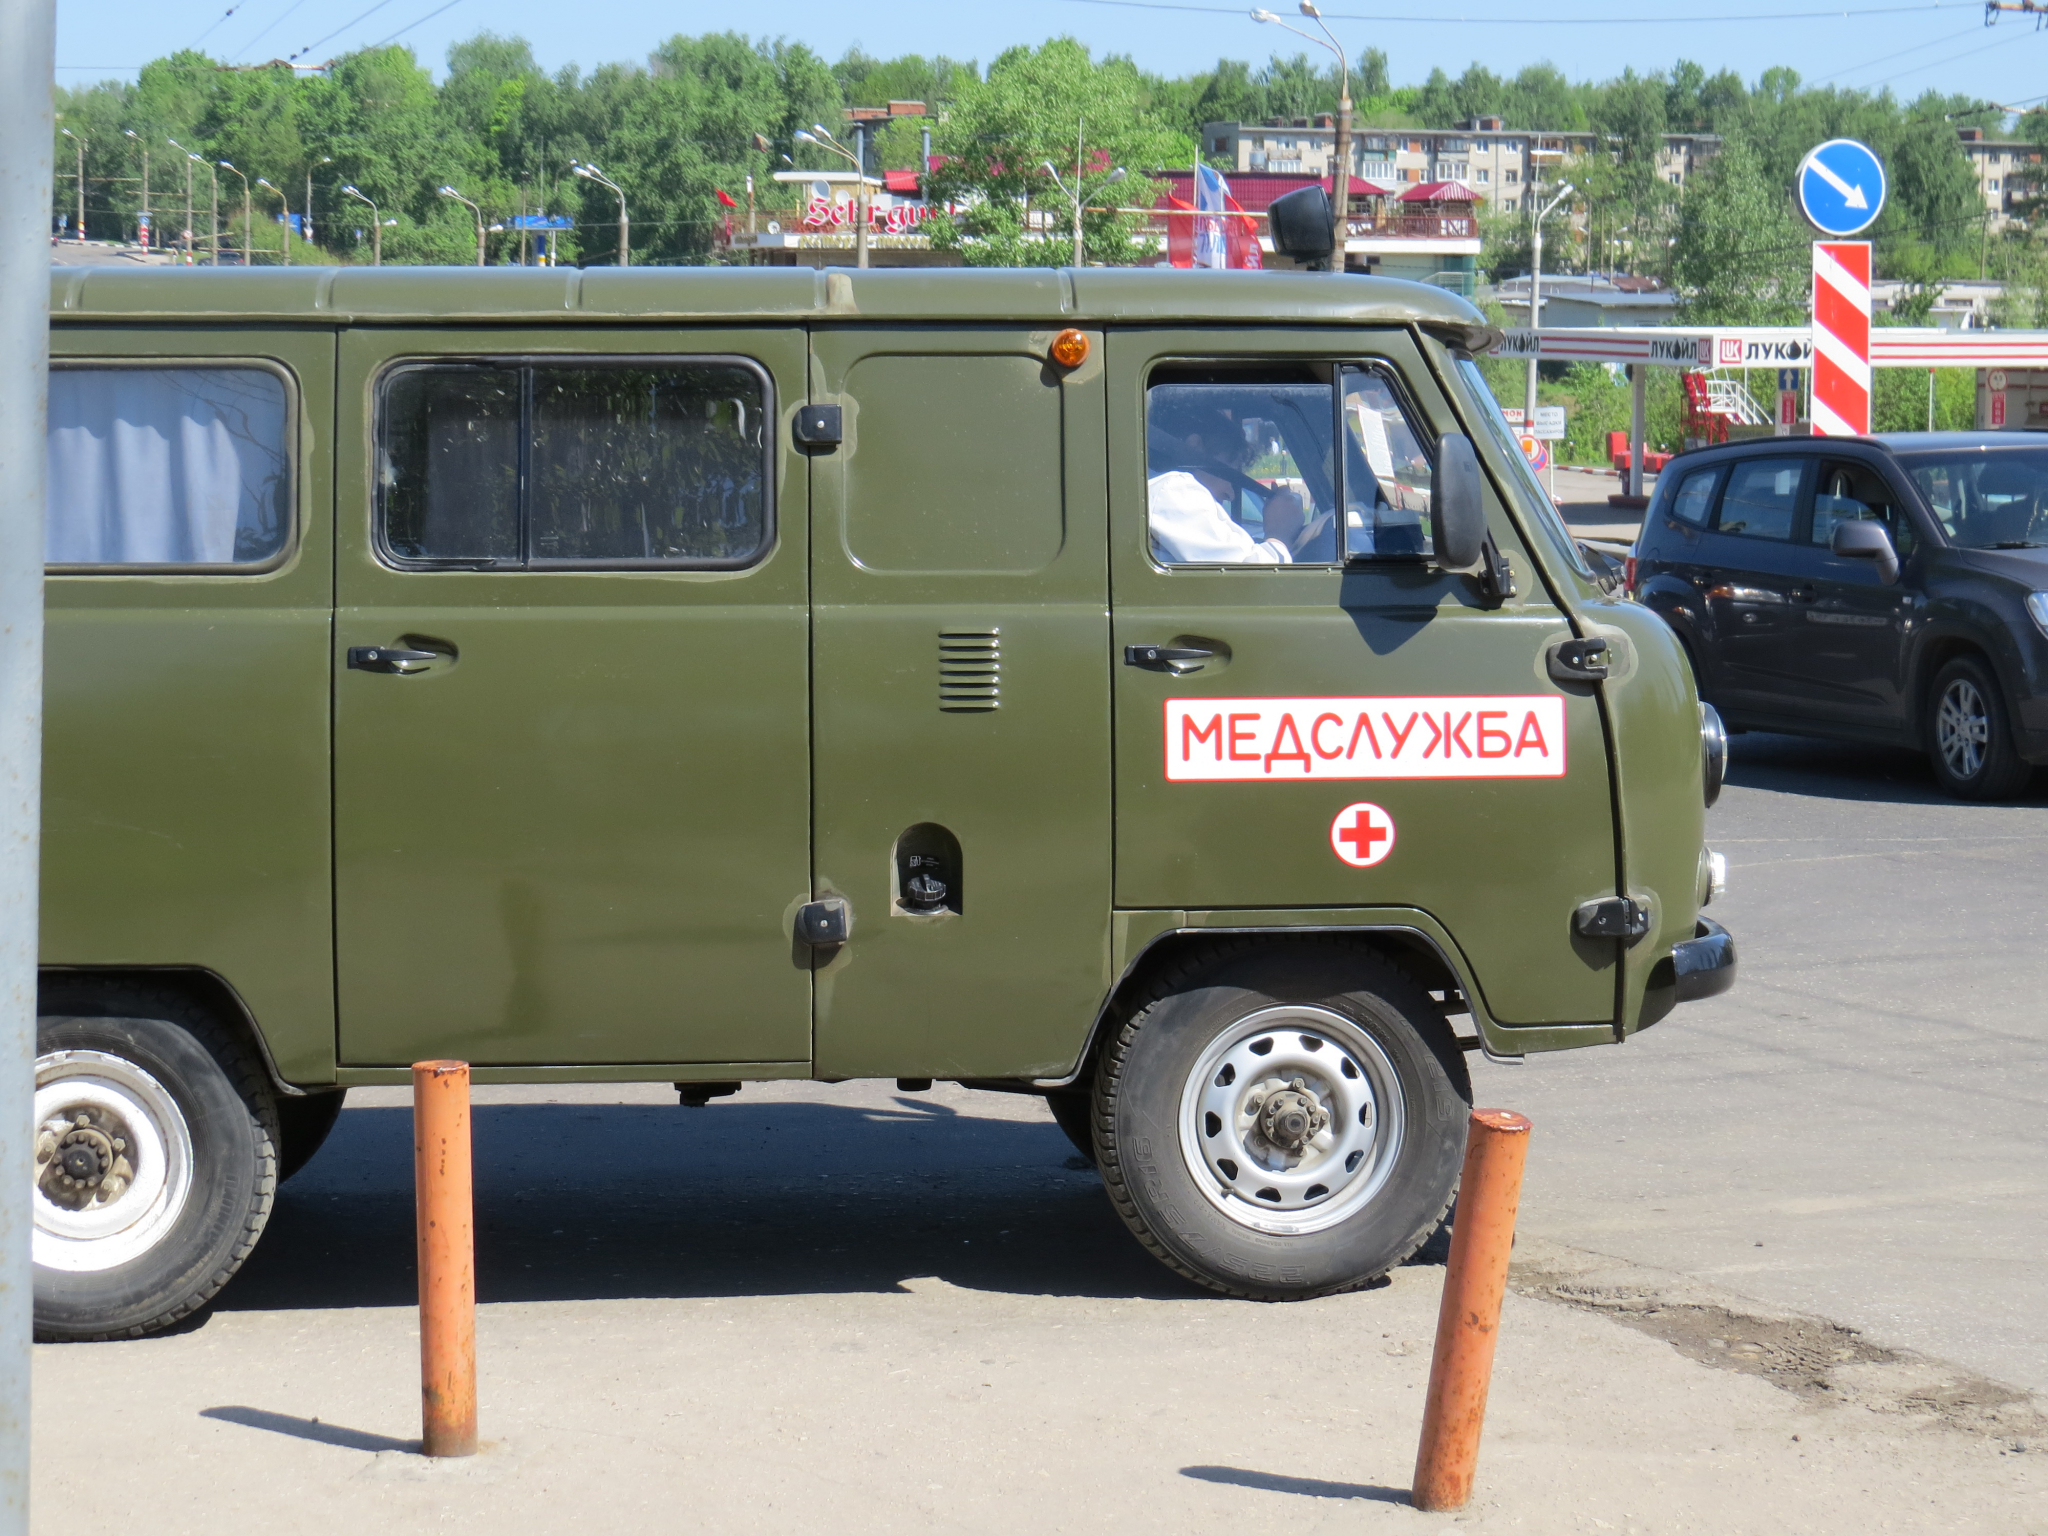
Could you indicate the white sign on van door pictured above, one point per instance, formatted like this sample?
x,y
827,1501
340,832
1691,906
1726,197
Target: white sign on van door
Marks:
x,y
1448,737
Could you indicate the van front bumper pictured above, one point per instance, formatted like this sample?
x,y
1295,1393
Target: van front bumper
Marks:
x,y
1703,966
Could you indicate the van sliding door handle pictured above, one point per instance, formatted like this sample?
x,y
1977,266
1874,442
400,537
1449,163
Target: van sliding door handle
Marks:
x,y
389,658
1177,659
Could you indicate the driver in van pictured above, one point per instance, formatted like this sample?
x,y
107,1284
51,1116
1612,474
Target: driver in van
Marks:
x,y
1188,502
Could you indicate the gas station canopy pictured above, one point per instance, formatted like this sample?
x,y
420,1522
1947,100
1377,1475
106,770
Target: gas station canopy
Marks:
x,y
1772,346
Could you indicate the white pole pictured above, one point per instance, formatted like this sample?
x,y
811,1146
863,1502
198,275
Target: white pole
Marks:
x,y
1639,379
27,66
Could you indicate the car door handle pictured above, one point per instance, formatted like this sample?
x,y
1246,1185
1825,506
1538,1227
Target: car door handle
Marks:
x,y
1177,659
389,658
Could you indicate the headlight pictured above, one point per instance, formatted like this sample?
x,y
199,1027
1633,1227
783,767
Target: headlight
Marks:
x,y
2037,608
1714,742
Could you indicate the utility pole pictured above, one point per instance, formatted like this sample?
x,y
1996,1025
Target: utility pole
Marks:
x,y
27,65
213,243
248,218
188,210
592,173
1340,147
376,225
78,144
306,219
1536,296
287,225
145,228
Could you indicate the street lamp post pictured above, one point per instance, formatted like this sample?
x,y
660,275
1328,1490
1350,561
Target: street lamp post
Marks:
x,y
287,207
248,218
824,140
1077,194
1340,151
592,173
376,226
189,158
148,229
1536,300
213,242
450,192
78,144
306,224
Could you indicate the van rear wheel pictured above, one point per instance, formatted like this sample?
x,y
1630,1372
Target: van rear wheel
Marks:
x,y
155,1166
1280,1123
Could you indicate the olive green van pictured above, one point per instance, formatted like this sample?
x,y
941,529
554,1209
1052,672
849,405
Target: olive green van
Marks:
x,y
1167,693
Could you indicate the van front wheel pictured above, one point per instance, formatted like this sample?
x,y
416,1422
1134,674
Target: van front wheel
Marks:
x,y
155,1166
1279,1123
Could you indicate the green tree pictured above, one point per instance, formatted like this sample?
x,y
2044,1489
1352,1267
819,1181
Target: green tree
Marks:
x,y
1740,257
1030,109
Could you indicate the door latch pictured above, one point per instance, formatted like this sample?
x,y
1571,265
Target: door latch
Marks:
x,y
1177,659
1580,661
826,923
389,658
1615,917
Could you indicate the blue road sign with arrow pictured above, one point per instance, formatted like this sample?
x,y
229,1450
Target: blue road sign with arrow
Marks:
x,y
1841,187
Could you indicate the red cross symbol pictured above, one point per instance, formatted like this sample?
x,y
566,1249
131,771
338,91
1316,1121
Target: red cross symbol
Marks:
x,y
1362,834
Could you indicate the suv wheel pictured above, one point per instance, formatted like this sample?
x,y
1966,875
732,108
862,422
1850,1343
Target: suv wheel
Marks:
x,y
155,1165
1973,752
1279,1124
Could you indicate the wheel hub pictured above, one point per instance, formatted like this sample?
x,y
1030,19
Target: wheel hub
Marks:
x,y
82,1162
1291,1119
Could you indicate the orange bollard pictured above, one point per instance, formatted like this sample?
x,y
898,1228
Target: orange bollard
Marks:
x,y
447,1243
1482,1236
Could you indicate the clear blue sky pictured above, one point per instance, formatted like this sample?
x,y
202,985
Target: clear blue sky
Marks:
x,y
1910,46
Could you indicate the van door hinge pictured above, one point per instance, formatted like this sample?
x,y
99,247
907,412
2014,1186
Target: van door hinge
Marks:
x,y
817,427
1580,661
1615,917
825,923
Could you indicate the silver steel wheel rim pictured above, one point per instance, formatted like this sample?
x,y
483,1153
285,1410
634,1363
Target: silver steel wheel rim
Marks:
x,y
89,1103
1963,728
1339,1067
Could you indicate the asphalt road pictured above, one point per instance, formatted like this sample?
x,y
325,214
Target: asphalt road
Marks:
x,y
833,1307
1860,1128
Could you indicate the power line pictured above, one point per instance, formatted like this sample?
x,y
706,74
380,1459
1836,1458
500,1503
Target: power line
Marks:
x,y
1932,63
223,16
1969,31
283,16
420,23
1538,21
373,10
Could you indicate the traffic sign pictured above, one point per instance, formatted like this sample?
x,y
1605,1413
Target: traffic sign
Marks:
x,y
1841,337
1841,187
1549,423
1997,379
1537,450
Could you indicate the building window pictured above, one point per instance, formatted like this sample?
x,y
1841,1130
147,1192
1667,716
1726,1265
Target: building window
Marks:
x,y
1674,178
1482,176
1511,177
1994,183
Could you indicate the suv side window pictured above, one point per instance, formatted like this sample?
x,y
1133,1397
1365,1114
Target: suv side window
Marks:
x,y
1848,492
1693,501
1762,497
523,465
184,467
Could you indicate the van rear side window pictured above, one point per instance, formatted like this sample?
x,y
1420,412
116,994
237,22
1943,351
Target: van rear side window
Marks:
x,y
583,464
155,467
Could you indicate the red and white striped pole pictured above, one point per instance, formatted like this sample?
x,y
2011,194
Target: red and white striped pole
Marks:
x,y
1841,337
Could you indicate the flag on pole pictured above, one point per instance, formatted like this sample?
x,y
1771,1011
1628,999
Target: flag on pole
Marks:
x,y
725,199
1212,192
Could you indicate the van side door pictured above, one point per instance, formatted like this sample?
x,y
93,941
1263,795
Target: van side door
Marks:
x,y
572,765
1306,733
189,611
961,701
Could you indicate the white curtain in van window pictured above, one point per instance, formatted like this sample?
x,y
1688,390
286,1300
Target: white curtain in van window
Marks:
x,y
166,466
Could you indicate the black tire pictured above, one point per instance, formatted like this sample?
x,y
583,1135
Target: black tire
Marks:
x,y
211,1086
1969,733
1150,1117
1074,1112
303,1126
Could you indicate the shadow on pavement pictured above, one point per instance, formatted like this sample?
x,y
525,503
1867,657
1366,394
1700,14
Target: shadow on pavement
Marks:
x,y
578,1201
1840,770
1314,1488
308,1429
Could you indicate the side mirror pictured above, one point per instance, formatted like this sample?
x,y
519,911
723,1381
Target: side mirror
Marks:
x,y
1458,503
1861,540
1303,225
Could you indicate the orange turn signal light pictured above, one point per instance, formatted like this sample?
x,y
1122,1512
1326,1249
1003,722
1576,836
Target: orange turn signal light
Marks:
x,y
1070,348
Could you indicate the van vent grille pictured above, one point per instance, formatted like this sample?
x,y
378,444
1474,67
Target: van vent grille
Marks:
x,y
970,669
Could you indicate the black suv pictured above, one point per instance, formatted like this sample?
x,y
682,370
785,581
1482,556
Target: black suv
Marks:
x,y
1890,588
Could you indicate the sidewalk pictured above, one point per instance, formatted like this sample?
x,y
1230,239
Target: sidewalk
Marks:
x,y
1033,1383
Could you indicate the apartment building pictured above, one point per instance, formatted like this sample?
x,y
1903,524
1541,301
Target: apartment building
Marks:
x,y
2007,170
1498,163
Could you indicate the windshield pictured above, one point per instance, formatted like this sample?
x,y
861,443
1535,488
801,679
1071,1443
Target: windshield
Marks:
x,y
1508,450
1986,498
